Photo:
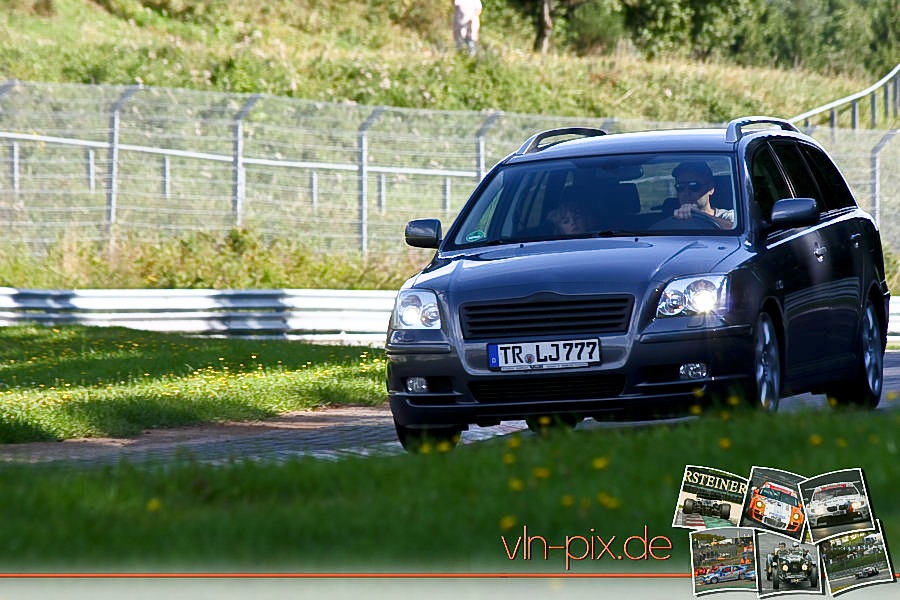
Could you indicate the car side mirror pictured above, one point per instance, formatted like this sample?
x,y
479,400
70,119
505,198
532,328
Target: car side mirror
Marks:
x,y
423,233
794,212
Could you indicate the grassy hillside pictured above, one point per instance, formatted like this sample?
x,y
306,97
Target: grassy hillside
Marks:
x,y
380,52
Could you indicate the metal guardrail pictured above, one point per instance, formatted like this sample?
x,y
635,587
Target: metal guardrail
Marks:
x,y
853,101
340,315
337,315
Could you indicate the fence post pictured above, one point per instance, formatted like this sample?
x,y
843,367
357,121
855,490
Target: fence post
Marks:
x,y
873,118
314,189
166,177
447,195
14,167
90,165
854,114
112,189
479,143
363,170
876,168
382,193
239,178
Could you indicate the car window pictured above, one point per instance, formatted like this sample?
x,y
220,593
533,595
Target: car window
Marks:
x,y
796,170
600,196
835,193
768,184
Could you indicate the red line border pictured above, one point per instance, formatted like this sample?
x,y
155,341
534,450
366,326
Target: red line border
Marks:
x,y
175,575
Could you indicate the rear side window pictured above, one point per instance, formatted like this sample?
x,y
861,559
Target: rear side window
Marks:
x,y
835,193
795,168
768,184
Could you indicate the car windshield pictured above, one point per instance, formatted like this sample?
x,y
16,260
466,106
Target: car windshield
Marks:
x,y
779,495
828,494
601,196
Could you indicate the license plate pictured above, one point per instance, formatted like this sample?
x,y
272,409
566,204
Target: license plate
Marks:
x,y
544,355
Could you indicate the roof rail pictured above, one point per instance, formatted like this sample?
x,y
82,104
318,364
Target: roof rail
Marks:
x,y
734,133
532,144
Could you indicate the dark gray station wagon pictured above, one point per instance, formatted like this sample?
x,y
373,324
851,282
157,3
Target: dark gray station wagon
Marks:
x,y
637,274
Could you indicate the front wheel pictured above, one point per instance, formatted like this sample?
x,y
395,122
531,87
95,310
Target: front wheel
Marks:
x,y
864,390
764,390
420,441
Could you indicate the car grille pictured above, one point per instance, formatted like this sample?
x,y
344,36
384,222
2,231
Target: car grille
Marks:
x,y
774,523
547,314
836,508
532,389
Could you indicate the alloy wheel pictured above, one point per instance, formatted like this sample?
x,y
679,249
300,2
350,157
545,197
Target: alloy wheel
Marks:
x,y
767,364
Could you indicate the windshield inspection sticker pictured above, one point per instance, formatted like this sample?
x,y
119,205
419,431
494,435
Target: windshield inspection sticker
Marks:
x,y
475,236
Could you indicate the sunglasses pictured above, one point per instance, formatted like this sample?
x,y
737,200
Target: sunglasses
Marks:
x,y
691,186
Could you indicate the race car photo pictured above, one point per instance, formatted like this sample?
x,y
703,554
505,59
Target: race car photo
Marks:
x,y
726,573
776,506
791,566
840,501
707,506
866,572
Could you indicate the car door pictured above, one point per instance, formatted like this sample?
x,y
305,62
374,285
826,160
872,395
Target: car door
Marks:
x,y
790,264
835,277
848,229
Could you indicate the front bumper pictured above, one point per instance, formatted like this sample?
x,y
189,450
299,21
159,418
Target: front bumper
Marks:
x,y
637,379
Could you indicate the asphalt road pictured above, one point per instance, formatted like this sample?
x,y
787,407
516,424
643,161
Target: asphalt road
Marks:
x,y
822,533
327,434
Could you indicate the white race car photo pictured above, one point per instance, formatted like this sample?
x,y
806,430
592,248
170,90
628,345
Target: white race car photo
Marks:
x,y
836,502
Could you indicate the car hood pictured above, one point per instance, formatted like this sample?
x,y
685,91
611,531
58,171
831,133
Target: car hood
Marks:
x,y
573,266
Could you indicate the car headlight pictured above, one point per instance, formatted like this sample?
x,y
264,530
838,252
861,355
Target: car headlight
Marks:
x,y
795,516
694,296
760,505
784,568
858,504
416,309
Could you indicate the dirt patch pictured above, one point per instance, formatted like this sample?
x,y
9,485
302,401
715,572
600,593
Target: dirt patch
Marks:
x,y
309,422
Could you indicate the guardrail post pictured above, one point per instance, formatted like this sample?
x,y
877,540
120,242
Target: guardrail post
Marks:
x,y
112,189
876,168
363,170
382,193
479,143
854,114
239,177
314,189
887,102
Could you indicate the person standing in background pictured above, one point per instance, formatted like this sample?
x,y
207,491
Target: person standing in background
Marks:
x,y
466,14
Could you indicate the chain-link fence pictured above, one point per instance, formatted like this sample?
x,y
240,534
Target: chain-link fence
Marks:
x,y
91,162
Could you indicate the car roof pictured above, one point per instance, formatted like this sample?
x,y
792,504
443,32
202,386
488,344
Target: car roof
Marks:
x,y
596,142
674,140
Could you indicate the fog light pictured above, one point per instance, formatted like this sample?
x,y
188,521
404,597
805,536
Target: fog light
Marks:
x,y
692,370
416,385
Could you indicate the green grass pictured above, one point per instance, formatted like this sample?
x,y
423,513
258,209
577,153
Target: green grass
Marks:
x,y
384,53
76,381
433,512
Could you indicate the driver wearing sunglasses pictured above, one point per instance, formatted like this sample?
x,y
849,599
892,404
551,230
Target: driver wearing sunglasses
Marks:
x,y
695,186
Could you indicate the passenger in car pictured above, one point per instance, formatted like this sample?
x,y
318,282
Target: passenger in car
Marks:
x,y
695,186
568,218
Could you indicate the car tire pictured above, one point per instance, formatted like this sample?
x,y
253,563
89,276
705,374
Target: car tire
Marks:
x,y
688,506
724,511
419,440
776,584
864,390
764,389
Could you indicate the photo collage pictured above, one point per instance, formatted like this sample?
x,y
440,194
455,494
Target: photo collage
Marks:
x,y
777,532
